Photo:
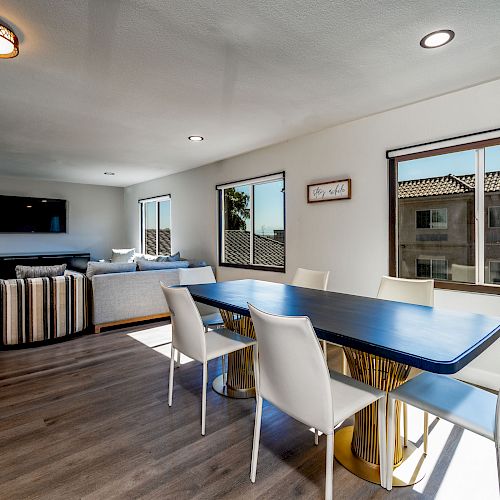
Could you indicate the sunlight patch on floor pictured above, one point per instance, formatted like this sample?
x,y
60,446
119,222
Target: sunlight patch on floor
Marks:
x,y
159,338
468,470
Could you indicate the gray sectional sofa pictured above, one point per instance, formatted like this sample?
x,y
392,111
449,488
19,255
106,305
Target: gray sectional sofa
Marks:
x,y
129,297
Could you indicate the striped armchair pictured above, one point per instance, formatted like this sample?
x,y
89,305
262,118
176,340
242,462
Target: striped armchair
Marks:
x,y
37,309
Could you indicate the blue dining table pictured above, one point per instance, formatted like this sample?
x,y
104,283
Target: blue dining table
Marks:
x,y
382,340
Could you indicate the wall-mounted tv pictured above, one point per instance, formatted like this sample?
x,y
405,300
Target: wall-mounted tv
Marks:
x,y
32,215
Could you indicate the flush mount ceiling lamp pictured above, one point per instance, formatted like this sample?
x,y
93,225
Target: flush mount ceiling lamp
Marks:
x,y
9,44
437,39
196,138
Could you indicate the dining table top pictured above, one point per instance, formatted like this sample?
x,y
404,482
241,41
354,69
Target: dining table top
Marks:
x,y
429,338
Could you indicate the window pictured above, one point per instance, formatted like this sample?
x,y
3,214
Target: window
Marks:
x,y
455,190
252,223
435,218
494,217
494,268
428,267
155,225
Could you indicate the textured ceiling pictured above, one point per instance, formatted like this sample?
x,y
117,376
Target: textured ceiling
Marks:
x,y
118,85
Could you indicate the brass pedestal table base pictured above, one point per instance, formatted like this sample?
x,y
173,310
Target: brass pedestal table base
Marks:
x,y
356,447
239,379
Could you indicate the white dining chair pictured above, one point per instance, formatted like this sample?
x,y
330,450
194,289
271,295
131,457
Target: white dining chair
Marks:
x,y
291,373
189,338
318,280
461,404
420,292
198,276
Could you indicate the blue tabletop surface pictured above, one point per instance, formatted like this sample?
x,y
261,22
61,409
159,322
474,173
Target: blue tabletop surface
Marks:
x,y
434,340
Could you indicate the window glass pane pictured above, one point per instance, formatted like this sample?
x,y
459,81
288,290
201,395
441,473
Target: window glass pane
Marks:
x,y
423,268
423,219
150,227
492,214
164,246
269,224
494,272
439,218
436,217
237,225
439,269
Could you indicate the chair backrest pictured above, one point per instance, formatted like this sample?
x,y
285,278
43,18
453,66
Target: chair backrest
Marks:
x,y
196,275
419,292
188,334
307,278
291,372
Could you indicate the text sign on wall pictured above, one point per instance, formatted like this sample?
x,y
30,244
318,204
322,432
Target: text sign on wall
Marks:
x,y
329,191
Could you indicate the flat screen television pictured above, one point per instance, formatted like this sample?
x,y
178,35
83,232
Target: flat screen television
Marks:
x,y
32,215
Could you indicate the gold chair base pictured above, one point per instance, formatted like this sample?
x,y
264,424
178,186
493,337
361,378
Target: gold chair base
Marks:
x,y
409,472
220,388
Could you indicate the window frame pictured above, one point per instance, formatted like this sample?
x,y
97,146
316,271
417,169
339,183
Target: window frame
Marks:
x,y
220,241
142,213
479,145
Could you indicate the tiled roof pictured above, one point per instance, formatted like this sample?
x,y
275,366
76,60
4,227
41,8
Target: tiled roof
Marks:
x,y
267,251
164,242
448,184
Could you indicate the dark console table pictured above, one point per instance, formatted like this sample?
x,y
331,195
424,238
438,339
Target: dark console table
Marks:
x,y
76,261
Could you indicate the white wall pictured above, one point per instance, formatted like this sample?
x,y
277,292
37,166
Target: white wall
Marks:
x,y
348,237
95,218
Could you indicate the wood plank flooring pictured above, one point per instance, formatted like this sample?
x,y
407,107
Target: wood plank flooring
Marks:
x,y
88,418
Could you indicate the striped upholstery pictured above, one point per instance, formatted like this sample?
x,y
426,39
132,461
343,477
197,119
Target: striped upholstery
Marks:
x,y
37,309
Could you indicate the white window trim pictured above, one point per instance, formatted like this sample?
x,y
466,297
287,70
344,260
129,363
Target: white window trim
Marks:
x,y
157,200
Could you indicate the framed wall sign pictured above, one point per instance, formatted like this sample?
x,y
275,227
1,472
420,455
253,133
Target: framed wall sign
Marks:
x,y
329,191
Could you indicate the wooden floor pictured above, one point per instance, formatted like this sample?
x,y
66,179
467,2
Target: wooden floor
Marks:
x,y
88,418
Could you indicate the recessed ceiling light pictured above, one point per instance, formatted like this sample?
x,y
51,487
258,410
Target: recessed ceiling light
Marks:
x,y
195,138
9,44
109,173
437,39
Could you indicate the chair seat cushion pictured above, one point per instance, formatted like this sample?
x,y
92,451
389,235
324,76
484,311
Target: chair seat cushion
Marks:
x,y
350,395
224,341
459,403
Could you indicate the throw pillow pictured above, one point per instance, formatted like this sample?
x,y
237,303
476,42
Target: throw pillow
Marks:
x,y
144,256
94,268
23,272
122,255
145,265
169,258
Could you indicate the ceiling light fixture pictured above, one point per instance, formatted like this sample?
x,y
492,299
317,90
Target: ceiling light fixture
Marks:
x,y
9,44
437,39
196,138
109,173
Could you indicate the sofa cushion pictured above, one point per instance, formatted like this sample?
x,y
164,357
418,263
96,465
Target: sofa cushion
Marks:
x,y
23,272
145,265
169,258
94,268
144,256
122,255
